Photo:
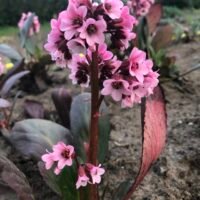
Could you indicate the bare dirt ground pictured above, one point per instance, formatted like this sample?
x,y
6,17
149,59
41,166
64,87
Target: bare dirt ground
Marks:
x,y
176,175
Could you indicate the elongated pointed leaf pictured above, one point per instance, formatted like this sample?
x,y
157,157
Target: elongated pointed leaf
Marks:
x,y
9,52
24,32
18,67
12,177
80,121
62,100
11,82
33,137
154,135
163,37
154,17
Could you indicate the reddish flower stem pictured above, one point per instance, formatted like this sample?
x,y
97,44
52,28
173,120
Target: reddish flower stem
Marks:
x,y
94,132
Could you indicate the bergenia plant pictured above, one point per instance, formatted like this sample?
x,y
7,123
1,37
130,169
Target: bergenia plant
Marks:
x,y
35,26
35,59
95,42
140,7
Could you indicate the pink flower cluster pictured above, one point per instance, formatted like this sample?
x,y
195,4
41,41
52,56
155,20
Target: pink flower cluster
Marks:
x,y
35,28
2,67
132,80
63,156
140,7
89,173
85,24
87,31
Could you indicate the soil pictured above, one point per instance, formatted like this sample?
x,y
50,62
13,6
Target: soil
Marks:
x,y
175,176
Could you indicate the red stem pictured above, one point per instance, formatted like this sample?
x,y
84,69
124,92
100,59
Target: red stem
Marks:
x,y
94,133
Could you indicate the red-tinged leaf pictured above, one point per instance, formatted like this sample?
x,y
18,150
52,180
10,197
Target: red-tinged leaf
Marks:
x,y
163,37
154,16
62,100
33,109
13,178
154,122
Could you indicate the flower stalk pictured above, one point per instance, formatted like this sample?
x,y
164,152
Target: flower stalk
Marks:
x,y
94,132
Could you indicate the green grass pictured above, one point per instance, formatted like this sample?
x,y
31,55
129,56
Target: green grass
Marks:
x,y
9,31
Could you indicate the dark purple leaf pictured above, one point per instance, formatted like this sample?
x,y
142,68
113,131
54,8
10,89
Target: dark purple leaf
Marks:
x,y
62,100
12,177
19,65
11,82
154,135
33,137
33,109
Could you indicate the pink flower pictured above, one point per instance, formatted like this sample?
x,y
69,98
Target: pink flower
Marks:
x,y
57,45
151,81
2,67
128,36
82,178
77,46
78,3
57,171
63,154
128,21
93,31
112,8
35,28
95,172
116,87
79,70
72,20
48,158
103,54
138,66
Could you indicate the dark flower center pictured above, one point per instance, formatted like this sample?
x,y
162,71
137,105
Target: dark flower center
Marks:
x,y
65,154
135,87
82,73
117,85
78,22
62,46
135,66
91,29
108,6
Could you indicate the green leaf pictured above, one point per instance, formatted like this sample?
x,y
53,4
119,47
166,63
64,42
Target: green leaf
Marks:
x,y
122,190
33,137
30,46
9,52
24,32
80,123
63,184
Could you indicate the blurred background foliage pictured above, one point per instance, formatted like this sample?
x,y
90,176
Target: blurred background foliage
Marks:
x,y
10,10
